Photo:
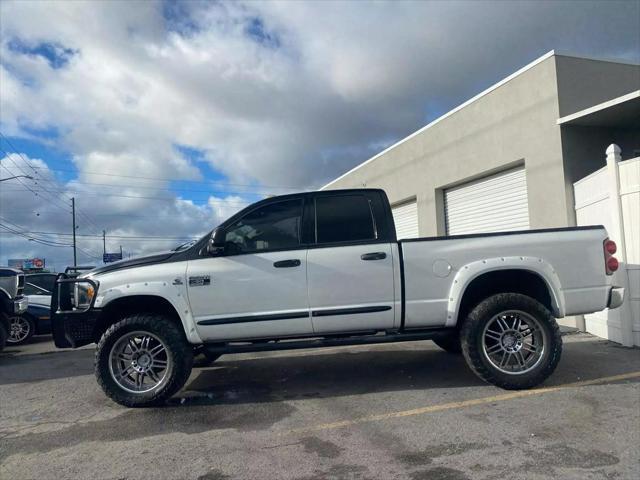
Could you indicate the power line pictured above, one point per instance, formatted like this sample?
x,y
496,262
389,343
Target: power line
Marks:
x,y
20,230
53,198
89,253
86,217
88,235
130,215
148,187
158,241
165,179
113,236
165,199
44,241
183,190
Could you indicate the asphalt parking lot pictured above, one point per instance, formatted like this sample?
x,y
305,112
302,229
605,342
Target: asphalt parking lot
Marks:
x,y
388,411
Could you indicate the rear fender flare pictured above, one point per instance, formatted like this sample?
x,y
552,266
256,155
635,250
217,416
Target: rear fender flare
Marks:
x,y
469,272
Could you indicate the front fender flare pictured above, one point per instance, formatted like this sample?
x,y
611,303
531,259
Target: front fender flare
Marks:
x,y
174,294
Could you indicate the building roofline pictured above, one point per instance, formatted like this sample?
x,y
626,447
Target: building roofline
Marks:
x,y
597,58
599,107
449,113
477,97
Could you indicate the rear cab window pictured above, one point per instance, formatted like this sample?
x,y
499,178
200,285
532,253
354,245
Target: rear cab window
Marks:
x,y
344,219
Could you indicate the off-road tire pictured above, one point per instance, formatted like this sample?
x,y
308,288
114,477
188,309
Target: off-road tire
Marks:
x,y
32,330
450,343
176,345
471,339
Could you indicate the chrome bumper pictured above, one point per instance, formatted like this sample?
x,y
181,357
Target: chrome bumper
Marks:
x,y
616,297
20,305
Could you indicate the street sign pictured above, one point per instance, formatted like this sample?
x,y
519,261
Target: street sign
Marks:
x,y
111,257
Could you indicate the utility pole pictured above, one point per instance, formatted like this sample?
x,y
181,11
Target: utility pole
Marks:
x,y
73,213
104,242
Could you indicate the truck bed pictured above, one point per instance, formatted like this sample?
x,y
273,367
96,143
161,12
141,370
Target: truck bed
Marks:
x,y
437,269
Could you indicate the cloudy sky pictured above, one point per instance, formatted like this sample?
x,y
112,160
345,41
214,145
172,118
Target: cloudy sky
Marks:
x,y
162,118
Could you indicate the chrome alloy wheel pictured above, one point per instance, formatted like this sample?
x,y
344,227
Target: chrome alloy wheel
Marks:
x,y
20,329
514,341
139,362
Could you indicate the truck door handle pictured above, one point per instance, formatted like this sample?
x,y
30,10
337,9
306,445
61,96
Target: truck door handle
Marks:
x,y
287,263
373,256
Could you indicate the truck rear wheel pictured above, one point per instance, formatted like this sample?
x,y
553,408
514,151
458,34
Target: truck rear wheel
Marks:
x,y
511,341
143,360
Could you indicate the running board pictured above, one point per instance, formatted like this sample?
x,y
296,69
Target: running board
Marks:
x,y
271,345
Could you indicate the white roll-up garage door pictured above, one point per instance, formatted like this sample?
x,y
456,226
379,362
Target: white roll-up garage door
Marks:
x,y
405,216
492,204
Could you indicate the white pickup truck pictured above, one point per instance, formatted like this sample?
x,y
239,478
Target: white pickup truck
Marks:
x,y
325,269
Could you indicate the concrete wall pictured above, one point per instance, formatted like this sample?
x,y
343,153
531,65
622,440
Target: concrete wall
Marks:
x,y
583,83
510,125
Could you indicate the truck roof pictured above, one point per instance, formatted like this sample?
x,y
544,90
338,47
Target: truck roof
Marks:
x,y
9,271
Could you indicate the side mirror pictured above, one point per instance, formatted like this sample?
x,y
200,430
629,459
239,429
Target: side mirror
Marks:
x,y
216,242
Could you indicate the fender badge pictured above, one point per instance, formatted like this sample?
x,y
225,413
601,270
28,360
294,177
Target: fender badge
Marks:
x,y
199,281
177,281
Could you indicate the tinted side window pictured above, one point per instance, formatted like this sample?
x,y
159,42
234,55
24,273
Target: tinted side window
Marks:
x,y
30,289
344,218
44,282
272,227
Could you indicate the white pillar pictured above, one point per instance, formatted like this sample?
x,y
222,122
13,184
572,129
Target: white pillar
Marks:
x,y
617,234
613,173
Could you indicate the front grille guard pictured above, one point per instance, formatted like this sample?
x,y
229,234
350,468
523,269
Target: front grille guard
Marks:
x,y
62,297
20,285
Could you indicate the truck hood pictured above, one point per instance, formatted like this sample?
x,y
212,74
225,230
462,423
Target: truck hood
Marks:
x,y
130,263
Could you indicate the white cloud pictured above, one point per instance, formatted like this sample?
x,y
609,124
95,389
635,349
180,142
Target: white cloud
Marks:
x,y
157,214
272,93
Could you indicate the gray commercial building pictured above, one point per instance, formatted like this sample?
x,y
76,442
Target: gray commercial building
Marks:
x,y
507,158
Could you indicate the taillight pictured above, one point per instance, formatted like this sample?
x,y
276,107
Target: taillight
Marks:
x,y
611,263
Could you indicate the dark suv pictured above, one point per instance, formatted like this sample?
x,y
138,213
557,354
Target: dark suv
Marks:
x,y
37,319
12,301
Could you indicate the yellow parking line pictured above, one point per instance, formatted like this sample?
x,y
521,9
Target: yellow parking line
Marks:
x,y
463,404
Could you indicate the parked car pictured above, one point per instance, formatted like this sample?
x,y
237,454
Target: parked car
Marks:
x,y
323,269
36,320
12,301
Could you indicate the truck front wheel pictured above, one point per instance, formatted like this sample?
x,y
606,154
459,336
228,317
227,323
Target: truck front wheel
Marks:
x,y
143,360
511,341
22,329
